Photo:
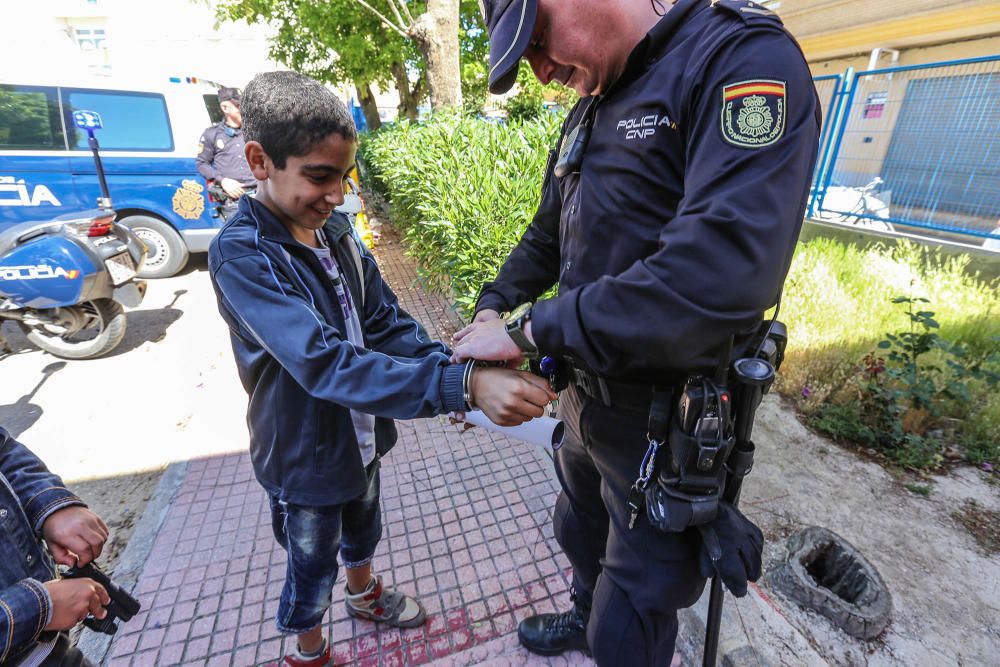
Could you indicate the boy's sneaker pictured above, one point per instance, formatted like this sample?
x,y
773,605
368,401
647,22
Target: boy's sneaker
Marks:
x,y
298,659
384,605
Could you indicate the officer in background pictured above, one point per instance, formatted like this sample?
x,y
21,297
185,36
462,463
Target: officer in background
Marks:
x,y
220,154
668,218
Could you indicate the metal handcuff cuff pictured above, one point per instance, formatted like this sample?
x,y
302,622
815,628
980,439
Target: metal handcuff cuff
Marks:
x,y
707,435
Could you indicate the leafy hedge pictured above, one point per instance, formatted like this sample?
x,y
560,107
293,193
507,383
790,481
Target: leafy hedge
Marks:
x,y
462,190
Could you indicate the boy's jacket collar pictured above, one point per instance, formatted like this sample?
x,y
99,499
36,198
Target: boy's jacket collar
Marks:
x,y
272,229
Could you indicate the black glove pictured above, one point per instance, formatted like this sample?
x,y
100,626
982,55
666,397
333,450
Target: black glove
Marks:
x,y
731,548
674,512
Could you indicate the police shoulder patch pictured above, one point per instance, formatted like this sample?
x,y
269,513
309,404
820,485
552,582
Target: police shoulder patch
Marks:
x,y
753,112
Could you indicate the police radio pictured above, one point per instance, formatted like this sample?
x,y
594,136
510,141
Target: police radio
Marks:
x,y
574,144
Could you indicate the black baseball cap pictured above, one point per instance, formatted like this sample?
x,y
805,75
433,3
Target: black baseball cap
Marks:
x,y
509,24
229,95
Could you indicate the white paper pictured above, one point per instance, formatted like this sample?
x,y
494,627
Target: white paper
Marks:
x,y
541,431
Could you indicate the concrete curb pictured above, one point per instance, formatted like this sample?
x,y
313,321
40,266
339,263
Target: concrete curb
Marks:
x,y
95,645
753,632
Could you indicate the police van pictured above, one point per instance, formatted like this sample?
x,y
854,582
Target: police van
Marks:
x,y
148,147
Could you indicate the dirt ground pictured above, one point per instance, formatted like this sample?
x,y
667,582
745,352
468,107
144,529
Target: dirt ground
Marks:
x,y
120,501
945,587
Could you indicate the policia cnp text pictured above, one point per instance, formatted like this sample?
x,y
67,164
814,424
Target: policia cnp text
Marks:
x,y
668,217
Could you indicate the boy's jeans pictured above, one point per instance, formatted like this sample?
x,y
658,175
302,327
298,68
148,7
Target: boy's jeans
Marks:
x,y
313,536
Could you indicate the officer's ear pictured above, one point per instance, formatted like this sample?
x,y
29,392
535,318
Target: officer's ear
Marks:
x,y
257,159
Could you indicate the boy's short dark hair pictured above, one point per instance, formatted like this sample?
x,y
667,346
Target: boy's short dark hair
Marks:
x,y
289,113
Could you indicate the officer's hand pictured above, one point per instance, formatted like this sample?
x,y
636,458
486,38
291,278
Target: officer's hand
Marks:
x,y
75,535
485,315
737,557
509,397
232,188
73,599
486,341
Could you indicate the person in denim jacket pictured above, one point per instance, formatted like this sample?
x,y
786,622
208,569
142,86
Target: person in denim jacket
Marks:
x,y
328,359
36,606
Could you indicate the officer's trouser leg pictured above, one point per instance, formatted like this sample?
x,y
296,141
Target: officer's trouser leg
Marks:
x,y
636,579
580,519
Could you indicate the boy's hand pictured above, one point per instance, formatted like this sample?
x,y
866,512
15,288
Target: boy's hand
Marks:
x,y
75,535
509,397
73,599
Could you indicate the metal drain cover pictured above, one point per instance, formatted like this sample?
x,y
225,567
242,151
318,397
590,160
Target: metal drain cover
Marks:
x,y
822,571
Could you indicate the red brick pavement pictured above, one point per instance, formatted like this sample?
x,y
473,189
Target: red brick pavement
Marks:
x,y
467,528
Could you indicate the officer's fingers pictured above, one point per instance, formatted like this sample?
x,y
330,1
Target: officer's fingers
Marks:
x,y
459,335
485,315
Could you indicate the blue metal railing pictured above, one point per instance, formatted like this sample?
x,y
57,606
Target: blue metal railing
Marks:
x,y
917,146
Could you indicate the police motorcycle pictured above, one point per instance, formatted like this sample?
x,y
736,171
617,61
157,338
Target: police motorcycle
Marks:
x,y
66,280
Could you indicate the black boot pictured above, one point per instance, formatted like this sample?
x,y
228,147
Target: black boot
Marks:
x,y
551,634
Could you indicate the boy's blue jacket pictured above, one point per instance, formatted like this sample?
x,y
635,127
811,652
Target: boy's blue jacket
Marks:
x,y
302,374
29,494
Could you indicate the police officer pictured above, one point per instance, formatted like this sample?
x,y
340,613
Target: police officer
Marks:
x,y
668,218
220,153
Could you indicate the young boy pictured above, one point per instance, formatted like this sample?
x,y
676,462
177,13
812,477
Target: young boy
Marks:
x,y
38,607
328,359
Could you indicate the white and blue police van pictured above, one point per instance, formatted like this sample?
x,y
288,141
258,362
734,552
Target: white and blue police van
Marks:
x,y
148,146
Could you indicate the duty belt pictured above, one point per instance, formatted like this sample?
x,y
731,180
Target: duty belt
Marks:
x,y
613,394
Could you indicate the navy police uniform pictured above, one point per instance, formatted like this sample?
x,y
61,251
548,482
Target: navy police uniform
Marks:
x,y
220,155
674,236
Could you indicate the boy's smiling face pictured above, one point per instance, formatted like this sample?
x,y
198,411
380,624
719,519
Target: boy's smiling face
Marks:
x,y
305,192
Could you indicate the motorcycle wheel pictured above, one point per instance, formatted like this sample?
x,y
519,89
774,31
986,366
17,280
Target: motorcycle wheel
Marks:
x,y
166,253
102,330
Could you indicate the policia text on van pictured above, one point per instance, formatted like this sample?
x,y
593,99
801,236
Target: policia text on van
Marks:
x,y
149,150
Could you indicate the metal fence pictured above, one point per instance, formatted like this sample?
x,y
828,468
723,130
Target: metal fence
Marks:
x,y
915,146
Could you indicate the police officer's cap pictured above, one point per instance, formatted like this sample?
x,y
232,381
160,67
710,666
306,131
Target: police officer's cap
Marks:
x,y
509,24
229,95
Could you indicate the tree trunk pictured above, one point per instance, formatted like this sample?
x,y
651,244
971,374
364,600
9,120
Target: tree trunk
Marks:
x,y
407,99
369,107
436,33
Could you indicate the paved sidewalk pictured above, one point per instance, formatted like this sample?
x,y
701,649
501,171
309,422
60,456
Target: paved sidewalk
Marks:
x,y
467,528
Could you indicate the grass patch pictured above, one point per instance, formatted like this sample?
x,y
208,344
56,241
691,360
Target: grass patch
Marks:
x,y
919,489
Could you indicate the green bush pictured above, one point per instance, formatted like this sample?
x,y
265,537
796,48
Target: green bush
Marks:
x,y
462,190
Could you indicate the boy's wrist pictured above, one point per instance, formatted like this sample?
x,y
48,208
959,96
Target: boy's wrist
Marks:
x,y
467,395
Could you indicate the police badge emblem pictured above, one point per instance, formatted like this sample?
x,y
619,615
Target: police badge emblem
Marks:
x,y
753,112
188,202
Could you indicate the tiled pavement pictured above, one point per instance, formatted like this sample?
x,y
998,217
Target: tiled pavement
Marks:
x,y
467,528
